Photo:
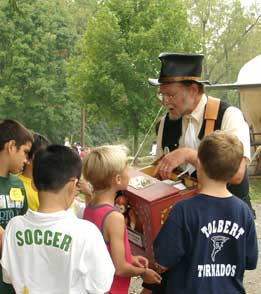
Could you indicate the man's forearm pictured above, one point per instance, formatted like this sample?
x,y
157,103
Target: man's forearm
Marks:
x,y
192,156
238,177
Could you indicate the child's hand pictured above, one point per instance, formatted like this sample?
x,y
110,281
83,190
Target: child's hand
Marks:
x,y
140,261
79,199
84,188
151,277
160,268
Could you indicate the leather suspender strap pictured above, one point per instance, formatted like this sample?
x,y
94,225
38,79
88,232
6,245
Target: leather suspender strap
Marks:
x,y
211,114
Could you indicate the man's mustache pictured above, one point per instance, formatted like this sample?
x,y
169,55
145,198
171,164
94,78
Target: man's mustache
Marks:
x,y
170,107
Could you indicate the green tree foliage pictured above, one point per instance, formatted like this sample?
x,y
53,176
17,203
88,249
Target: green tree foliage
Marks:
x,y
119,52
229,37
81,11
33,51
225,27
108,69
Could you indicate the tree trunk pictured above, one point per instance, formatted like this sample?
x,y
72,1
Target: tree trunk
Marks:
x,y
136,141
135,145
83,127
205,66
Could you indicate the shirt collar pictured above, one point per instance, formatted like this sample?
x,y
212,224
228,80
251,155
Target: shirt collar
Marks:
x,y
40,217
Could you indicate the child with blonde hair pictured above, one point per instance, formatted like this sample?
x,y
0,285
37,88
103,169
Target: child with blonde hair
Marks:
x,y
106,168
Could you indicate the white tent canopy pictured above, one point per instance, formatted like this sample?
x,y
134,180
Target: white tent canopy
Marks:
x,y
249,86
250,98
249,77
250,73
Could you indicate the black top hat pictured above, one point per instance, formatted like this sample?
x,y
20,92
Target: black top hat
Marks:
x,y
177,67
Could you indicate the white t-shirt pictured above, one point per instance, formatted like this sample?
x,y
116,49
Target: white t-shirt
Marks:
x,y
78,208
55,253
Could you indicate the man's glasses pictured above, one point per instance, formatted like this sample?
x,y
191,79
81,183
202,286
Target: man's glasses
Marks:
x,y
165,98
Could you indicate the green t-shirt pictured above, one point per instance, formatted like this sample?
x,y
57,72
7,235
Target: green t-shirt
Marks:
x,y
12,203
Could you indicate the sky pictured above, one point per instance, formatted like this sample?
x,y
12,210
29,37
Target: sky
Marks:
x,y
249,2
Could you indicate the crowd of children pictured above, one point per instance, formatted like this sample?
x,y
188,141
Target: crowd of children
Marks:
x,y
205,245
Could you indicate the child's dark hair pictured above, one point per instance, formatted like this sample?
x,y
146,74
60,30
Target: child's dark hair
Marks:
x,y
13,130
55,166
40,142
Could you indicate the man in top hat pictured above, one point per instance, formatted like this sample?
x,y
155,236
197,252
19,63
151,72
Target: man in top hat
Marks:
x,y
191,115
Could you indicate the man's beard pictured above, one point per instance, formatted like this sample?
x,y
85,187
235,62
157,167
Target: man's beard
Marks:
x,y
173,116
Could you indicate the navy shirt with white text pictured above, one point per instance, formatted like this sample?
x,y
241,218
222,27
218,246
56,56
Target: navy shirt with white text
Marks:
x,y
207,243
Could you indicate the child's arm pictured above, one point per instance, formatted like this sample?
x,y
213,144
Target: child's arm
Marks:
x,y
6,278
238,177
84,188
160,269
1,239
6,253
252,247
114,233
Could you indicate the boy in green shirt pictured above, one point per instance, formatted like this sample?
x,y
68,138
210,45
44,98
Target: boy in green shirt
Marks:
x,y
15,144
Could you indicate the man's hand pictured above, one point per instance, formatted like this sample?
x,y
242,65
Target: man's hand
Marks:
x,y
174,159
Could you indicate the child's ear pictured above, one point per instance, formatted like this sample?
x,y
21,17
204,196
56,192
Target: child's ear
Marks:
x,y
11,146
117,179
199,164
74,184
72,188
199,168
239,175
200,174
71,185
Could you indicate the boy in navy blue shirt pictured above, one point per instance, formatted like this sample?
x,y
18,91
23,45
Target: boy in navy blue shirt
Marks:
x,y
208,241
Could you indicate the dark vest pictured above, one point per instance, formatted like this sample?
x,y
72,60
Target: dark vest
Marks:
x,y
172,132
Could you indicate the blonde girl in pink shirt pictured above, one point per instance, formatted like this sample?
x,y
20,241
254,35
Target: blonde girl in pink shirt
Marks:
x,y
106,168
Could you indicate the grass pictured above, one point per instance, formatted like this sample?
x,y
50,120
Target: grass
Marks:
x,y
255,190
